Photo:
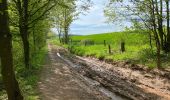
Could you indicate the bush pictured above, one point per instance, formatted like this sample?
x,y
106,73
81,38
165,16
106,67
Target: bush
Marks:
x,y
100,56
147,55
76,50
87,42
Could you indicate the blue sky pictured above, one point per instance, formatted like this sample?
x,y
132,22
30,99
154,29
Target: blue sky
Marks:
x,y
94,21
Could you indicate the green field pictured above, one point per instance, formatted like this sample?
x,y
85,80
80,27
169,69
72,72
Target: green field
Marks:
x,y
137,47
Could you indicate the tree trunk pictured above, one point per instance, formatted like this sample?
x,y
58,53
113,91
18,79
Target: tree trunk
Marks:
x,y
59,32
157,40
160,22
150,40
59,37
158,55
26,50
66,38
23,27
34,39
168,31
66,27
8,75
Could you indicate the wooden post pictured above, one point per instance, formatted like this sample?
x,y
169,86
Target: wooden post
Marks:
x,y
104,42
122,46
109,49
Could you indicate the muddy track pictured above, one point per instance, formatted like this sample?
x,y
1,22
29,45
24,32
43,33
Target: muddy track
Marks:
x,y
114,83
114,80
59,82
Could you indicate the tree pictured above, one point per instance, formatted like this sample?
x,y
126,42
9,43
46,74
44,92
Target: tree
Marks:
x,y
8,75
39,34
167,45
149,12
29,12
68,19
65,15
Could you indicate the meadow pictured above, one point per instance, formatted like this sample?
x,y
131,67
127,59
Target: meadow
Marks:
x,y
137,46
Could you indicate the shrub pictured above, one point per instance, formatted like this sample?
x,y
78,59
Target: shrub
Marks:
x,y
147,54
100,56
87,42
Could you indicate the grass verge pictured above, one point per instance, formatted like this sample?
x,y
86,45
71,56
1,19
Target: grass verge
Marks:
x,y
137,48
27,78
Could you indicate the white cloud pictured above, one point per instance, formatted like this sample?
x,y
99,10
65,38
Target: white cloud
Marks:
x,y
94,21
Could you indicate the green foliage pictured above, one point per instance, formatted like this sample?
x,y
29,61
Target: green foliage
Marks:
x,y
30,22
63,16
100,56
18,55
53,39
28,78
147,55
110,14
79,51
136,44
87,42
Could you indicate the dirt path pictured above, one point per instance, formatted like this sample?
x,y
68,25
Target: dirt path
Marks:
x,y
58,82
70,77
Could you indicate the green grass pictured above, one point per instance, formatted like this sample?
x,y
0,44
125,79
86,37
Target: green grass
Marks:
x,y
115,38
137,47
27,78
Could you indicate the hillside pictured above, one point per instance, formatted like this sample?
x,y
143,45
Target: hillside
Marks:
x,y
137,47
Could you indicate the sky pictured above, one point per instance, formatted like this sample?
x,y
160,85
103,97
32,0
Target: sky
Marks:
x,y
94,22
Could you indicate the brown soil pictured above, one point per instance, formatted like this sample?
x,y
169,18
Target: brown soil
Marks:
x,y
152,81
58,82
68,76
136,84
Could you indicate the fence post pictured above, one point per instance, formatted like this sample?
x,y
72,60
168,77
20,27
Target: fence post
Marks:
x,y
104,42
109,49
122,46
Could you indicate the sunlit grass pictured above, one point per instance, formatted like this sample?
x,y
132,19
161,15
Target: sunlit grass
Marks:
x,y
137,47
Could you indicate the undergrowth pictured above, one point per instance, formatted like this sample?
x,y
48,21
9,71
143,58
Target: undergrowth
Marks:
x,y
27,78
